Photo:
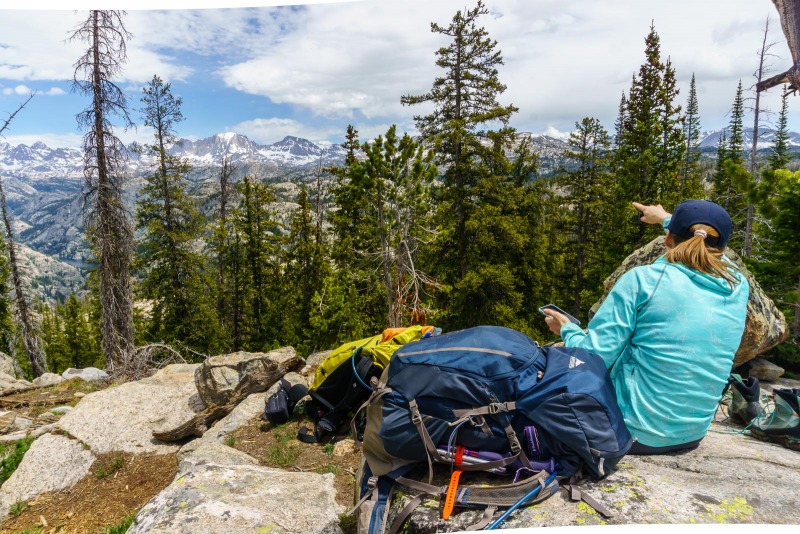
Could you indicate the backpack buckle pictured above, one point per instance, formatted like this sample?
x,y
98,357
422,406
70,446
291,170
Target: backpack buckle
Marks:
x,y
497,407
416,418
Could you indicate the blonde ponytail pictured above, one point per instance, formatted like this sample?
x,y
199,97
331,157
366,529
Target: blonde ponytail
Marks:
x,y
694,253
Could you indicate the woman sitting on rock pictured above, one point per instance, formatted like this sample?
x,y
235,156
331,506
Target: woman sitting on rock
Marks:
x,y
669,331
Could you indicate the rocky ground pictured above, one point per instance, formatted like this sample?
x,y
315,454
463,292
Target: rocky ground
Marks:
x,y
95,464
118,484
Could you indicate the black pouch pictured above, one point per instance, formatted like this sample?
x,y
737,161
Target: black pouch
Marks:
x,y
279,406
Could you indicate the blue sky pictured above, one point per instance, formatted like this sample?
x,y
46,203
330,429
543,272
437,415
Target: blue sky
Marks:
x,y
312,69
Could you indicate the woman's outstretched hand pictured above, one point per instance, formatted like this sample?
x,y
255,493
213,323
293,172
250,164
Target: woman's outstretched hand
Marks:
x,y
555,321
651,214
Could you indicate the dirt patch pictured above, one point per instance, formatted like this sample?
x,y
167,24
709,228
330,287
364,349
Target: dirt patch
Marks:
x,y
119,485
279,447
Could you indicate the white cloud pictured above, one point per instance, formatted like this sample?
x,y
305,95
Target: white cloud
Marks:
x,y
36,46
353,60
267,131
557,134
25,90
343,59
563,61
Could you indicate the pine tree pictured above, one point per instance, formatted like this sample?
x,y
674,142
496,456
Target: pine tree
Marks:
x,y
6,315
464,100
108,225
781,154
779,273
652,146
397,174
220,247
174,276
349,305
53,340
257,273
487,208
736,128
82,349
585,206
306,268
725,190
691,181
619,124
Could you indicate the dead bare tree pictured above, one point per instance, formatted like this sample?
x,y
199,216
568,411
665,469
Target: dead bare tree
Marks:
x,y
763,68
30,337
108,225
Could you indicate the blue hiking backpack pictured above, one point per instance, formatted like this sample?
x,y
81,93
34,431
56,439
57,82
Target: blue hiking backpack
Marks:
x,y
493,390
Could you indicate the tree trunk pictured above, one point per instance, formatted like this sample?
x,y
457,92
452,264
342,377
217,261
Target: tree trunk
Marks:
x,y
747,250
31,340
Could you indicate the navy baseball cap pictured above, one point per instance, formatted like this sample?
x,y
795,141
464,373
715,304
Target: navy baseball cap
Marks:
x,y
694,212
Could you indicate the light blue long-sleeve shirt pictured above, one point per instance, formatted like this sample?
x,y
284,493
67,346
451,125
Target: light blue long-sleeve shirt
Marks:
x,y
669,334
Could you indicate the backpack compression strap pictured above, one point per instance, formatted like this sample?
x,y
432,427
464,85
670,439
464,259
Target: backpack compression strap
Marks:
x,y
433,453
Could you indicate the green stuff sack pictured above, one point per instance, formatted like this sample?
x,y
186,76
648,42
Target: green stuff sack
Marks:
x,y
341,382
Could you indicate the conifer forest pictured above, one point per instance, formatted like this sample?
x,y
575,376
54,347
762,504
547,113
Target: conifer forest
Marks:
x,y
451,225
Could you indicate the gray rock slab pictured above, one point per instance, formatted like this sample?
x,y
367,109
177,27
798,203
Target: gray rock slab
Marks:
x,y
89,374
123,418
730,478
52,463
211,453
220,499
47,379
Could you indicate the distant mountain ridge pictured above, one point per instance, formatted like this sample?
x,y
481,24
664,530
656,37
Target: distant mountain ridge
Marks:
x,y
43,188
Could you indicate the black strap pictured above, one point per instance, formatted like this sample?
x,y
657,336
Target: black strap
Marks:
x,y
308,436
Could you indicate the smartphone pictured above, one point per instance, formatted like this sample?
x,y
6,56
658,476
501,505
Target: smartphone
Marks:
x,y
559,310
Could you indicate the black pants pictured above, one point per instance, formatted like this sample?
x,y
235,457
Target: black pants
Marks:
x,y
644,450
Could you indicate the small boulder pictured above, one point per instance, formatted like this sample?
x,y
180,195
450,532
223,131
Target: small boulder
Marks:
x,y
345,447
47,379
313,361
7,420
763,370
219,377
52,463
89,374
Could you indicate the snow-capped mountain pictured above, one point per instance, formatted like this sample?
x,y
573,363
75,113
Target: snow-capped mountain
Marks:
x,y
40,161
766,138
291,150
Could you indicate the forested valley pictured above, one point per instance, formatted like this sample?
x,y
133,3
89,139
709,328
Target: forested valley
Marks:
x,y
451,225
